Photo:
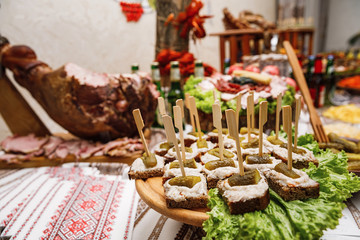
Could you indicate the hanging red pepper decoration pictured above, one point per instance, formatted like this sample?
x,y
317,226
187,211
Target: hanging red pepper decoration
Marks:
x,y
132,11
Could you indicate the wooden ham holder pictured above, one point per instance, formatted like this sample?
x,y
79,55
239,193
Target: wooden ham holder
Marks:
x,y
22,120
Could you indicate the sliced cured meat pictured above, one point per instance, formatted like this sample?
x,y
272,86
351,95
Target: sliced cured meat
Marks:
x,y
51,145
23,144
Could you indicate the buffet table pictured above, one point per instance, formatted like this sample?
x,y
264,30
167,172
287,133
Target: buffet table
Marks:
x,y
97,201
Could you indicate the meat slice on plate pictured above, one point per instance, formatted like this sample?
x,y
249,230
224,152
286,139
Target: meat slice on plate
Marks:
x,y
23,144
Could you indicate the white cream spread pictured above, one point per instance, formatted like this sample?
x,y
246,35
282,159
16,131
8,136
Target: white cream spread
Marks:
x,y
195,148
138,165
283,153
303,181
181,193
189,136
243,193
173,172
172,153
262,167
253,151
222,172
207,157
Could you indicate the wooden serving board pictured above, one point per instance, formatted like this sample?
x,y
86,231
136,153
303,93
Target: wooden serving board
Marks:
x,y
152,192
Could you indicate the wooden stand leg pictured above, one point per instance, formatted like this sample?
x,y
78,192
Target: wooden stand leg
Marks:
x,y
245,45
294,41
233,50
222,54
18,115
310,44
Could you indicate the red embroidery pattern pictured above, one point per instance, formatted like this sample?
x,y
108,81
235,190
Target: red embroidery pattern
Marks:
x,y
129,217
15,216
87,212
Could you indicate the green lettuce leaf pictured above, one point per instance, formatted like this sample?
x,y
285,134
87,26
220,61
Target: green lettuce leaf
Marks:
x,y
295,219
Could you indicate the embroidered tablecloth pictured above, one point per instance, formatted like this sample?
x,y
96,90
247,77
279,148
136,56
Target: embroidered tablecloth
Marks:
x,y
68,202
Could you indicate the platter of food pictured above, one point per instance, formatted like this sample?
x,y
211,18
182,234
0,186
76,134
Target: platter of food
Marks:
x,y
241,183
350,84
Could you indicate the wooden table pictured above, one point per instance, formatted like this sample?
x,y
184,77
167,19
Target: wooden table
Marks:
x,y
234,37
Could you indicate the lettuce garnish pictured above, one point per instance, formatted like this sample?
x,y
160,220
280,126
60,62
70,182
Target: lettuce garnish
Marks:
x,y
295,219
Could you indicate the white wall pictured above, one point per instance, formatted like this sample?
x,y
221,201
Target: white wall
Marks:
x,y
343,23
94,34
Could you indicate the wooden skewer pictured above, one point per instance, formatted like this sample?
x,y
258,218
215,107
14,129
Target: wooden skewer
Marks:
x,y
248,116
161,104
262,121
170,133
140,125
231,123
287,128
214,95
187,104
238,108
178,119
297,115
180,103
278,110
252,110
195,112
217,123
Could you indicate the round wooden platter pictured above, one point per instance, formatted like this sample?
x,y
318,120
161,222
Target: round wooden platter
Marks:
x,y
152,192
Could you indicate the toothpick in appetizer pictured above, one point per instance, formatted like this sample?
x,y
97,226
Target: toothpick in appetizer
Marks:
x,y
183,191
170,133
291,184
187,104
278,110
287,128
275,139
262,121
252,109
233,132
238,108
149,165
217,124
297,115
201,143
249,116
161,104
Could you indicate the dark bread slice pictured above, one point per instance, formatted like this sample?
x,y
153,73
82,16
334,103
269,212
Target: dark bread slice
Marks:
x,y
157,172
298,164
250,205
188,142
293,193
189,202
213,139
161,152
212,182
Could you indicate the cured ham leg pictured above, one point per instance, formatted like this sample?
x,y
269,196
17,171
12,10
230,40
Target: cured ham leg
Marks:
x,y
87,104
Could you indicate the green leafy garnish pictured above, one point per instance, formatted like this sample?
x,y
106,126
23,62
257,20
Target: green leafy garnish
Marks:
x,y
298,219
